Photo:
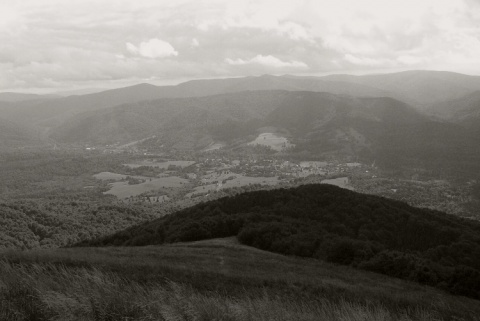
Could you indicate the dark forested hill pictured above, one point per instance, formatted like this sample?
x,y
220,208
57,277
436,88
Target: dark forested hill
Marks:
x,y
332,224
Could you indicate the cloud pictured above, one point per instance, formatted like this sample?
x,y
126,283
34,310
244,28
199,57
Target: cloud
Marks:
x,y
435,34
365,61
51,43
195,42
269,61
154,48
266,16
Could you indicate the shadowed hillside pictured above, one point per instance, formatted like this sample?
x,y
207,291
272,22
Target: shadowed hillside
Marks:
x,y
464,110
336,225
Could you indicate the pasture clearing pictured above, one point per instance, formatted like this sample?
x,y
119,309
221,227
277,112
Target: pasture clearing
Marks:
x,y
107,176
124,190
274,141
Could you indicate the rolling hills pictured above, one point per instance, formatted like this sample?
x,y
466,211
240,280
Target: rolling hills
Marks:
x,y
464,110
301,113
332,224
418,87
374,128
421,89
385,117
55,111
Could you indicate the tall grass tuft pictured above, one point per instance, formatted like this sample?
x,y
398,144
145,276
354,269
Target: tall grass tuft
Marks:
x,y
32,291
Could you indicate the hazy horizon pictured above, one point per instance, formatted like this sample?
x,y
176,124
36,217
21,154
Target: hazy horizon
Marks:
x,y
105,86
53,46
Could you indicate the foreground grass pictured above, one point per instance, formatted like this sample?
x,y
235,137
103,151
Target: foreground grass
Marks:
x,y
213,280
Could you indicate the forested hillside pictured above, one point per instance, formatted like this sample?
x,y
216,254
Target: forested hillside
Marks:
x,y
44,201
13,135
336,225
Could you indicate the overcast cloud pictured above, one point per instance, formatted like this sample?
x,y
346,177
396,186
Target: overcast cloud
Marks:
x,y
48,45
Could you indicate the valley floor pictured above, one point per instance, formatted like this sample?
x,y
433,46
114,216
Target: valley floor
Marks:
x,y
207,280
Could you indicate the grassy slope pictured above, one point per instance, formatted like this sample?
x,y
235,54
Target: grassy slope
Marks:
x,y
215,279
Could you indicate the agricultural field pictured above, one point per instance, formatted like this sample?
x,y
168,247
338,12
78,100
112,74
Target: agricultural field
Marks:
x,y
273,141
109,176
129,186
123,190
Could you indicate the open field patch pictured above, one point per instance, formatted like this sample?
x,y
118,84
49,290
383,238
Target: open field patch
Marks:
x,y
107,176
274,141
124,190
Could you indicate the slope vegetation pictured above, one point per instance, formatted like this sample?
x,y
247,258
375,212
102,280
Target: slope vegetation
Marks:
x,y
15,135
336,225
464,110
208,280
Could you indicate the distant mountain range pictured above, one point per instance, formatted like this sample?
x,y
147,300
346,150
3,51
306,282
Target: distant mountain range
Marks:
x,y
418,88
302,115
19,97
422,88
423,115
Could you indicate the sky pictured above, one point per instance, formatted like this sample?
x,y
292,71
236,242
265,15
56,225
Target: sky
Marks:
x,y
55,45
